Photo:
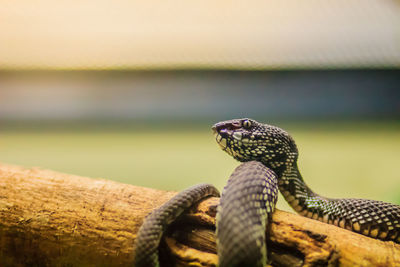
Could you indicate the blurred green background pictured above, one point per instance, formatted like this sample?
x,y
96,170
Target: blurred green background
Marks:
x,y
129,91
357,159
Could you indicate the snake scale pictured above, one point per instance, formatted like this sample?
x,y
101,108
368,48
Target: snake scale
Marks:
x,y
270,163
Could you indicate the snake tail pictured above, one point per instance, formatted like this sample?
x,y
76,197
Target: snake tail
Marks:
x,y
150,233
246,203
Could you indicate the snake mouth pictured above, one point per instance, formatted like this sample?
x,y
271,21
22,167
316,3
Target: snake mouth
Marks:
x,y
221,141
227,135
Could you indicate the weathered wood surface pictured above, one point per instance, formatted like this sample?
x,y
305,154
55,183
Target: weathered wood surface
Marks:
x,y
53,219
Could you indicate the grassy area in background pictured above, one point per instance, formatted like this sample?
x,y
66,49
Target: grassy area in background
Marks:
x,y
361,162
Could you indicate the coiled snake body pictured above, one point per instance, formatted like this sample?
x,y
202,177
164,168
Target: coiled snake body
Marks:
x,y
270,162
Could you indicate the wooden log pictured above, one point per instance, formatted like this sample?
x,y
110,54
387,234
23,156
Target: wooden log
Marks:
x,y
53,219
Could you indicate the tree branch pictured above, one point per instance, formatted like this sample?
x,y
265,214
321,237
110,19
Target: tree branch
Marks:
x,y
54,219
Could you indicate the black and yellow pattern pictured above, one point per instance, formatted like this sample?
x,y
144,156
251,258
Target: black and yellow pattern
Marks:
x,y
270,162
246,203
247,139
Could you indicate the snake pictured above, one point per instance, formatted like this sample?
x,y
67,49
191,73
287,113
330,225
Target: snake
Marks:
x,y
269,164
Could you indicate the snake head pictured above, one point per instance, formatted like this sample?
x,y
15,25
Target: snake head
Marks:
x,y
246,140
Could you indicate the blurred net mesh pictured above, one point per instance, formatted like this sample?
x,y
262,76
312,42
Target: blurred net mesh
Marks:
x,y
149,34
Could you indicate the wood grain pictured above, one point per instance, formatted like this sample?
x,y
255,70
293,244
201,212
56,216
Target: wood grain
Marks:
x,y
54,219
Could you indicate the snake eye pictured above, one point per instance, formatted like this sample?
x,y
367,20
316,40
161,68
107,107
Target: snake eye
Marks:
x,y
246,124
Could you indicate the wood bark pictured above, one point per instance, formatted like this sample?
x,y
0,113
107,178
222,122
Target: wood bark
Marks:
x,y
53,219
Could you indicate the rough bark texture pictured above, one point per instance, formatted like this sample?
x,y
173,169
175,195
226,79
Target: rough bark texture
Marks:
x,y
54,219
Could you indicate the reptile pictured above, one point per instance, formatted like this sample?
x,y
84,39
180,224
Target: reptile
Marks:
x,y
269,155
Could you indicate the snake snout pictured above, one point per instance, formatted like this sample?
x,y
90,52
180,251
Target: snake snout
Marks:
x,y
214,129
226,126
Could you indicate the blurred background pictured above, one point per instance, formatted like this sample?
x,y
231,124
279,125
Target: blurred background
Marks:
x,y
128,90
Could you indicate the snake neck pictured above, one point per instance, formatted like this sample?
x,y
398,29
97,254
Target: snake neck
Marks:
x,y
296,192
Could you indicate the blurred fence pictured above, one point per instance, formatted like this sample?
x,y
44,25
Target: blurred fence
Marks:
x,y
152,34
258,36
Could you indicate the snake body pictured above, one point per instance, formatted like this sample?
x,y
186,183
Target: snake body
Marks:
x,y
270,162
243,213
150,233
